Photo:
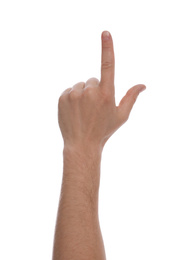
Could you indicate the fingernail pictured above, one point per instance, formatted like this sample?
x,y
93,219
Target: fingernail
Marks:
x,y
142,88
106,35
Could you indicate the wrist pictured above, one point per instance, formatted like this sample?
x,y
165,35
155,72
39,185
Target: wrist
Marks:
x,y
82,150
82,167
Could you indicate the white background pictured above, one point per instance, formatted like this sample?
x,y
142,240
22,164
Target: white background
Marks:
x,y
46,47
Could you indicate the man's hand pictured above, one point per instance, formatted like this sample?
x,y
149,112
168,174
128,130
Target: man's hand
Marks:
x,y
87,112
88,116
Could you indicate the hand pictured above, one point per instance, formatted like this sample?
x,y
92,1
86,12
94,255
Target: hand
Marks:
x,y
87,112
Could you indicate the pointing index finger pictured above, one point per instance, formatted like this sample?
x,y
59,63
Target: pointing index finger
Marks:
x,y
107,61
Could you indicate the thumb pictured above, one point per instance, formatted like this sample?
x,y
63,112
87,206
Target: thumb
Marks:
x,y
127,102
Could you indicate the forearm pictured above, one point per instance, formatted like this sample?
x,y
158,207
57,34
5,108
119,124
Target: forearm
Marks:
x,y
77,234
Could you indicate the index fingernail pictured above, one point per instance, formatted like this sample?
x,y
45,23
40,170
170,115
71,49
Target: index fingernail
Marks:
x,y
106,35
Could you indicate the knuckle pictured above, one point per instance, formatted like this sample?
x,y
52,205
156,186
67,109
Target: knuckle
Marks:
x,y
93,80
61,99
64,95
134,98
66,91
88,91
74,95
122,116
132,94
106,65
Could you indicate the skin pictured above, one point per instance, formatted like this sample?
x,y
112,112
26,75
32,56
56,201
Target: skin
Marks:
x,y
87,116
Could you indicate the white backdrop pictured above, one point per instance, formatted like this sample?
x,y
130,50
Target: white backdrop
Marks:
x,y
46,47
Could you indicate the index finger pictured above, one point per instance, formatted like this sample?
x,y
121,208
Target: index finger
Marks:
x,y
107,61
